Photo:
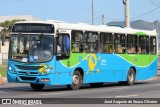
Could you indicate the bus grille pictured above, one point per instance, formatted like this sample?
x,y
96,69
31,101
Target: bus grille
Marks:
x,y
29,73
28,67
28,78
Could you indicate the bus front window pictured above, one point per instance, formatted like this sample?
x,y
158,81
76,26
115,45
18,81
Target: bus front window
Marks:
x,y
40,47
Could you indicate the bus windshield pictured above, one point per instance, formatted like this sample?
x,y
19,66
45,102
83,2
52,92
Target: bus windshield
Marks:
x,y
37,47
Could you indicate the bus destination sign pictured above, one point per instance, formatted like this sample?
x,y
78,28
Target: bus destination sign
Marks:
x,y
33,28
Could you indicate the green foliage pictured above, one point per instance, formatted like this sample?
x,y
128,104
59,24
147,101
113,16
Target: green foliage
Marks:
x,y
3,71
9,23
6,27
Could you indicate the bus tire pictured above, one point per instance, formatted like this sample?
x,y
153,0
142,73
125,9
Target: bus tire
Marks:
x,y
131,77
37,87
96,84
76,81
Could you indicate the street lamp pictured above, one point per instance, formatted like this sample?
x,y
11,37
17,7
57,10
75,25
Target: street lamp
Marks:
x,y
92,12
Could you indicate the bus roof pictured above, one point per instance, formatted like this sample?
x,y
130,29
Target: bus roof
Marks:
x,y
96,28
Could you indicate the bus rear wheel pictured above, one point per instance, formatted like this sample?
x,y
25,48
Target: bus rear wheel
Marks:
x,y
76,81
37,87
131,77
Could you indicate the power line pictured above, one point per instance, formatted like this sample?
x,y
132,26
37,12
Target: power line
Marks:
x,y
132,17
15,1
154,3
145,13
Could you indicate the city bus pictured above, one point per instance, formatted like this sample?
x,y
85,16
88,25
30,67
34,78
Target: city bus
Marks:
x,y
59,53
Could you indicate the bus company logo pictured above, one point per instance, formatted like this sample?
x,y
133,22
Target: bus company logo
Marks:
x,y
44,68
27,72
92,62
6,101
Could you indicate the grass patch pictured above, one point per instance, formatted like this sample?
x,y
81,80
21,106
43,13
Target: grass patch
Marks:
x,y
3,68
3,71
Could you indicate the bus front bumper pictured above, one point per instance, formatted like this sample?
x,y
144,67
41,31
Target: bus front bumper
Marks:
x,y
41,79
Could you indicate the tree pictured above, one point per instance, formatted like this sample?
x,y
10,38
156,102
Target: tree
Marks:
x,y
5,28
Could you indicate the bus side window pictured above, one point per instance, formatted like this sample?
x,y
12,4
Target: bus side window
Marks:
x,y
143,44
91,42
77,41
63,46
106,40
153,49
132,44
119,43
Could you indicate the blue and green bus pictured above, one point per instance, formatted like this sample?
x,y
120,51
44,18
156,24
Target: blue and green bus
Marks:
x,y
59,53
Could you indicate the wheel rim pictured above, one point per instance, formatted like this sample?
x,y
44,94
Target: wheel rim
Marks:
x,y
75,80
131,77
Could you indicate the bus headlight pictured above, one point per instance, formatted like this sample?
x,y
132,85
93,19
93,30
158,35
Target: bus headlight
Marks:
x,y
11,70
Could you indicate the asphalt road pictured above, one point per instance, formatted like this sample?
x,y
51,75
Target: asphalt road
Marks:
x,y
141,89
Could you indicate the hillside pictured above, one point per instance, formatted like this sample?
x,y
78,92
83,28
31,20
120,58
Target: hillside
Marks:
x,y
138,24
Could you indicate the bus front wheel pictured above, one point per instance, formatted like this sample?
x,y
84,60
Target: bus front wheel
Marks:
x,y
37,87
131,77
76,81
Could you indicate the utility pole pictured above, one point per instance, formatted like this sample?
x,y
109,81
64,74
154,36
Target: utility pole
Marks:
x,y
127,13
102,19
92,12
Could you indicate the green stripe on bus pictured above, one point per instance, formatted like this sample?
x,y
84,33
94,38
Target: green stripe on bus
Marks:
x,y
74,59
140,59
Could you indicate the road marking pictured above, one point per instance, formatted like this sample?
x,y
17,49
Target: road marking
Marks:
x,y
126,96
53,93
